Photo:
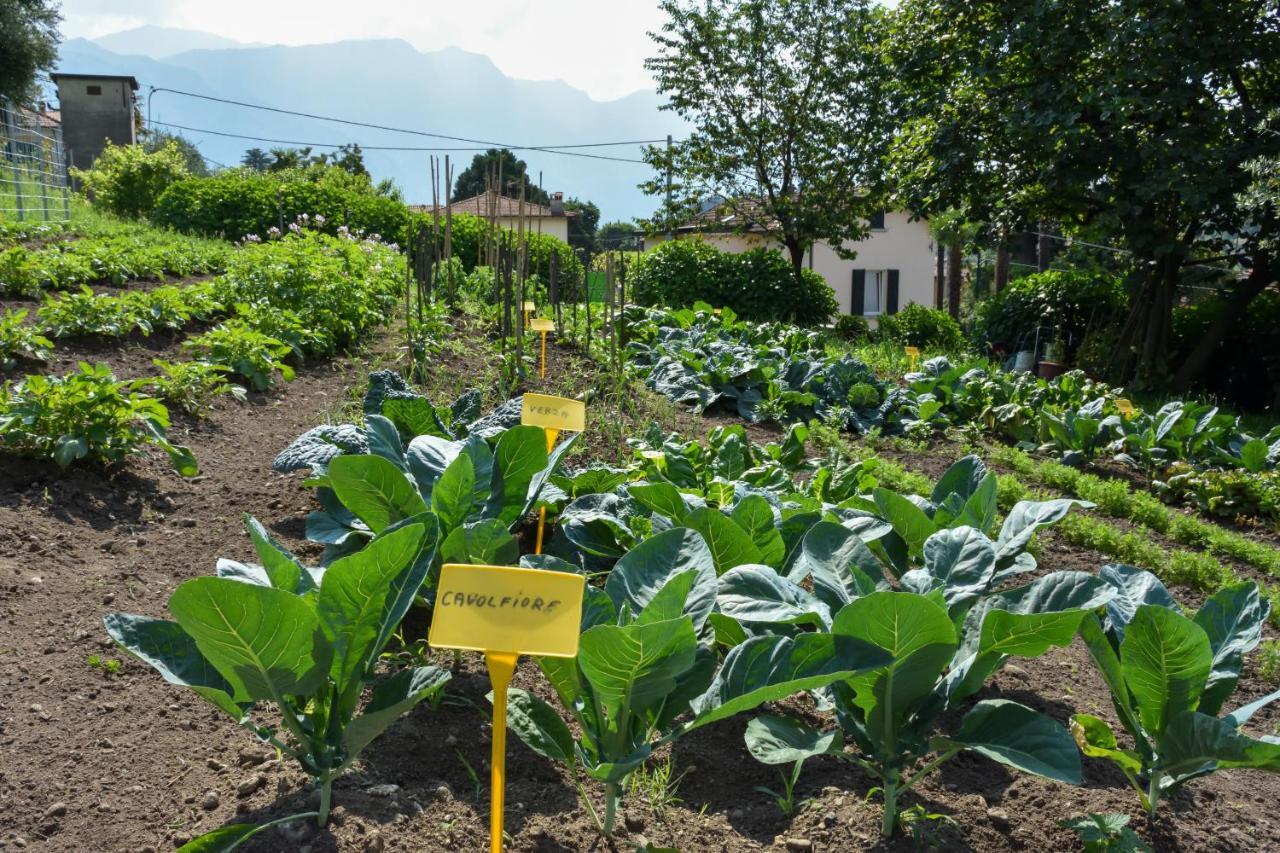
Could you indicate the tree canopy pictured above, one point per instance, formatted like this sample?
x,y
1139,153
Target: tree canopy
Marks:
x,y
784,98
28,45
1135,116
157,139
471,180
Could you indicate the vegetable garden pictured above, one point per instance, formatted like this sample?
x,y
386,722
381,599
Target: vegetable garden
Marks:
x,y
831,602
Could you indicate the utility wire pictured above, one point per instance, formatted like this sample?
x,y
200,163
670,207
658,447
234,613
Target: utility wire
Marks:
x,y
549,149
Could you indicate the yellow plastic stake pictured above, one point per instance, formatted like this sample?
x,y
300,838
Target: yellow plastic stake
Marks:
x,y
529,308
505,612
552,414
913,353
543,325
1126,408
501,666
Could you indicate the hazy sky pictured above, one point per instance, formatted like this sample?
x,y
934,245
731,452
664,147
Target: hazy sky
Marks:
x,y
596,45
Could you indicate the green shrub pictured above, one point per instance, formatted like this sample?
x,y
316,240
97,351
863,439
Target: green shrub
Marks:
x,y
127,180
852,327
192,385
238,203
926,328
1071,302
245,351
21,340
758,284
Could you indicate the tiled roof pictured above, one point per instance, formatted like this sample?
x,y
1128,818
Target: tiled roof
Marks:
x,y
479,205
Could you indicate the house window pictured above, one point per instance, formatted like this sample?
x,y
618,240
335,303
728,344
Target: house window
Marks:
x,y
873,293
94,90
877,221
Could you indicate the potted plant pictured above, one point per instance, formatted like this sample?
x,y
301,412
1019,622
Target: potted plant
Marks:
x,y
1054,362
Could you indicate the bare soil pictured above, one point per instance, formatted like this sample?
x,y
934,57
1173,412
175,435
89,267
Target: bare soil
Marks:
x,y
95,760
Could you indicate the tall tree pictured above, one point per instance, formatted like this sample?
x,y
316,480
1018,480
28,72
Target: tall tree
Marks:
x,y
471,180
582,228
157,139
1137,116
783,98
28,45
619,235
256,159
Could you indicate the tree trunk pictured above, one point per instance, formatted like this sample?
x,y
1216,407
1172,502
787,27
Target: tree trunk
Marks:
x,y
1002,267
940,279
1201,355
954,259
1144,342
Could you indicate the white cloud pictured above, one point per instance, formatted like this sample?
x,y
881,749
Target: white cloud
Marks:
x,y
595,45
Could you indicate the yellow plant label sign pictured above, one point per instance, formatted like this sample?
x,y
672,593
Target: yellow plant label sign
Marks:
x,y
499,608
530,306
1126,408
558,413
541,324
912,352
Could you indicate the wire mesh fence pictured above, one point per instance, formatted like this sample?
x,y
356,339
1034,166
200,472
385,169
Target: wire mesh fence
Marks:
x,y
34,184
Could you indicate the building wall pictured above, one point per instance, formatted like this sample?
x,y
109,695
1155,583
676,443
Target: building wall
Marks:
x,y
556,226
902,245
88,121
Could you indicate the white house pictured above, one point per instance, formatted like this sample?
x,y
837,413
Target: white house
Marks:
x,y
550,219
894,265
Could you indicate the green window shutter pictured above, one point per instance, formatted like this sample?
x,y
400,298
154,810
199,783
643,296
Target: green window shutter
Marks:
x,y
859,293
891,296
877,221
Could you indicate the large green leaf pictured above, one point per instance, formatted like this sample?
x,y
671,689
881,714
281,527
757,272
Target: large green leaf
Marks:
x,y
375,490
453,497
1025,519
1232,618
1096,740
759,594
636,666
539,480
1015,735
963,559
283,569
730,545
391,698
539,726
909,521
644,570
840,564
783,740
662,498
919,637
265,642
1134,587
1166,660
406,586
770,668
173,654
353,602
963,478
1191,740
485,543
1107,661
520,454
754,515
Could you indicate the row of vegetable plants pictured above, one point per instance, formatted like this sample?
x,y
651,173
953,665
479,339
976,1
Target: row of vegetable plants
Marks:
x,y
136,253
727,583
302,296
773,372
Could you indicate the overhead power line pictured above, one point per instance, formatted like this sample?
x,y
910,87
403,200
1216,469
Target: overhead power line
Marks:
x,y
567,150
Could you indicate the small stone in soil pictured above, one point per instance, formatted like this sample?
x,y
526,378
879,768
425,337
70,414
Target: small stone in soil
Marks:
x,y
248,786
210,801
999,818
798,845
382,790
56,810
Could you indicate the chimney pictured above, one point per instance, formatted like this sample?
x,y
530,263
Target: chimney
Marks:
x,y
557,204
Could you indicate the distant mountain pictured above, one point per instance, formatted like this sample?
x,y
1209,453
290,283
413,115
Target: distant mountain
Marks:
x,y
389,82
162,42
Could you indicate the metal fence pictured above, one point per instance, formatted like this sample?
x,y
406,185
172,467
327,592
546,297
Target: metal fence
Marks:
x,y
34,184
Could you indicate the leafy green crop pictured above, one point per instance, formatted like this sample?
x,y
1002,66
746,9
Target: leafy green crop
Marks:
x,y
647,672
303,639
244,351
1169,677
86,415
21,340
192,385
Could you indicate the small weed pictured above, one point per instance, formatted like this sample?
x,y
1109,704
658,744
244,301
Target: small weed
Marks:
x,y
1269,661
476,785
1106,833
110,666
658,783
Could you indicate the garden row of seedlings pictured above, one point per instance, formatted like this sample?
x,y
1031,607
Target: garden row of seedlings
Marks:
x,y
727,585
